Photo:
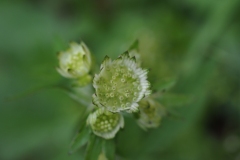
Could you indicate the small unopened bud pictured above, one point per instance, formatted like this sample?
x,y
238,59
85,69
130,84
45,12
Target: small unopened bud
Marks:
x,y
105,124
150,113
75,62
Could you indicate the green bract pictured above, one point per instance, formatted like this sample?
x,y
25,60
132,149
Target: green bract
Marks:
x,y
134,53
120,84
105,124
75,62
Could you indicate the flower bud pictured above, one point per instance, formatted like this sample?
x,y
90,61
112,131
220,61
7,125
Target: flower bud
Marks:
x,y
120,84
150,113
105,124
75,62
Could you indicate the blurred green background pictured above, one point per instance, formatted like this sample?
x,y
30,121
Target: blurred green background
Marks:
x,y
195,43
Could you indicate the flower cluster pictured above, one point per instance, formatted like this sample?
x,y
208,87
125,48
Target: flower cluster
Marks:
x,y
120,86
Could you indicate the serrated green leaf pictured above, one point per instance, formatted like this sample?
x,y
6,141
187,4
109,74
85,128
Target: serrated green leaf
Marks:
x,y
94,148
109,149
80,140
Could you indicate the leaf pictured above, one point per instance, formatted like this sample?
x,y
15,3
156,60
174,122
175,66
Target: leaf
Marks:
x,y
94,148
174,115
109,149
175,100
80,140
164,85
29,93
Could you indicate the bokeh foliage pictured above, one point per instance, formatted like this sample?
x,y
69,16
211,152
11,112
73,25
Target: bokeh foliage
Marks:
x,y
191,47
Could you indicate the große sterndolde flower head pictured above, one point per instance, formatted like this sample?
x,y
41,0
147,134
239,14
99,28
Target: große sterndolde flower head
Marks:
x,y
121,84
75,62
105,124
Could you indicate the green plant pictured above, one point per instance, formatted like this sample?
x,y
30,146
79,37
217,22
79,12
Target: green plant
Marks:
x,y
120,88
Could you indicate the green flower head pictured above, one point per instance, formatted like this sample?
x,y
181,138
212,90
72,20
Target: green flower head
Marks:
x,y
75,62
105,124
121,84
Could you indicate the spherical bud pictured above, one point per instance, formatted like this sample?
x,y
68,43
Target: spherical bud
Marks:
x,y
150,113
75,62
105,124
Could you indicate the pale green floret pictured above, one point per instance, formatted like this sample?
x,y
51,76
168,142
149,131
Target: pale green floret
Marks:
x,y
120,84
75,62
151,113
105,124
